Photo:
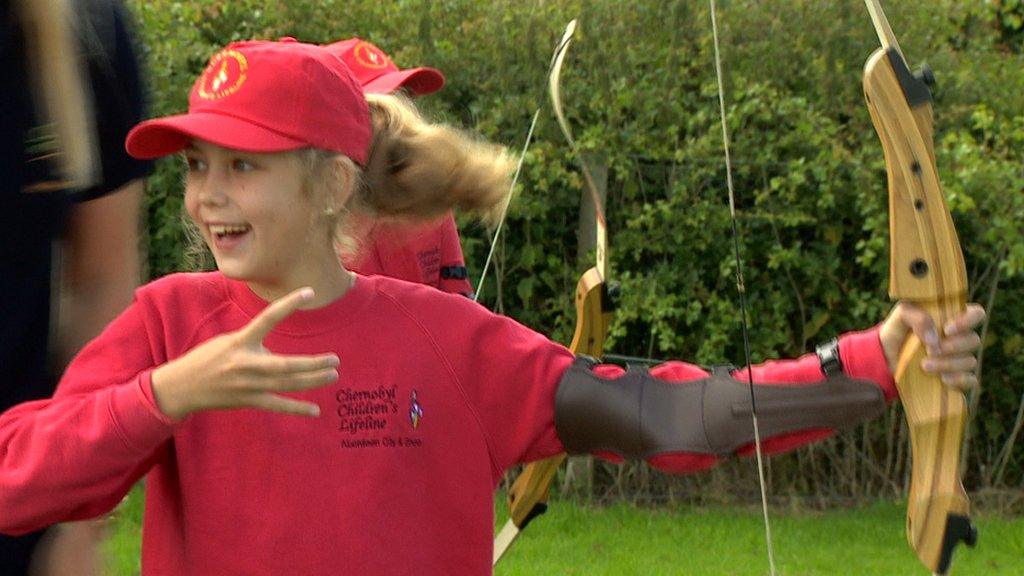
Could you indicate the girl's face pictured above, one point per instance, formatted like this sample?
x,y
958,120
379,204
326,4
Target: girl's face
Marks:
x,y
256,216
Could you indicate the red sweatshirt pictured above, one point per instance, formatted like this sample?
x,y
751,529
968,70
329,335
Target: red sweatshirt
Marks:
x,y
429,254
436,398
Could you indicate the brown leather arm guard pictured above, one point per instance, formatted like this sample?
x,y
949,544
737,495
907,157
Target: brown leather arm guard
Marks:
x,y
639,416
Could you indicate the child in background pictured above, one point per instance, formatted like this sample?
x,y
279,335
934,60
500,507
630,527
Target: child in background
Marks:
x,y
429,253
293,417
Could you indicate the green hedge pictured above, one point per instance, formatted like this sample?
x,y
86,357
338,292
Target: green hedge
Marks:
x,y
640,92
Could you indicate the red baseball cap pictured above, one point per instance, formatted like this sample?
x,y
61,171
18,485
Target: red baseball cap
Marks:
x,y
378,74
263,96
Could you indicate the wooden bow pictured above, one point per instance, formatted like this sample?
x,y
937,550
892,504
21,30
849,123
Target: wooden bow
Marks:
x,y
926,268
528,496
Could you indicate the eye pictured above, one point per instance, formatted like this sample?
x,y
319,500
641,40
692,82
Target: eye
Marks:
x,y
195,164
242,165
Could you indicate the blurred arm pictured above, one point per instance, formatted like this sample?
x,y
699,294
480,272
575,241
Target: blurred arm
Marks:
x,y
101,265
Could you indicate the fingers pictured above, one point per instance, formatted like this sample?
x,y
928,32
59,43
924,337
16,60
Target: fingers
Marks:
x,y
301,381
949,364
277,311
274,403
266,395
965,343
277,365
922,325
961,381
263,391
966,321
951,357
956,364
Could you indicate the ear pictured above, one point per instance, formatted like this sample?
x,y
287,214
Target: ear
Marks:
x,y
341,181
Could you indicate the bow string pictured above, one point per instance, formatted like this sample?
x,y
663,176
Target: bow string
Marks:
x,y
742,291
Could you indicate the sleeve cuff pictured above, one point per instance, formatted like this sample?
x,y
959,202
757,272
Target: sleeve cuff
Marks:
x,y
142,425
863,358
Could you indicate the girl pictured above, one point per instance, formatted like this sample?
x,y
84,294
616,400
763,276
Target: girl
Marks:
x,y
414,401
430,253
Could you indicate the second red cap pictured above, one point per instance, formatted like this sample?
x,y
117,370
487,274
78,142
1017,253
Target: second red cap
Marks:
x,y
378,74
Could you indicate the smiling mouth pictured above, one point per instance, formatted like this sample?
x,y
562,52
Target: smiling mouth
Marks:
x,y
223,232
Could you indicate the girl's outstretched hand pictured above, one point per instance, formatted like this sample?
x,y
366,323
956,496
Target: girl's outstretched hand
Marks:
x,y
234,370
951,355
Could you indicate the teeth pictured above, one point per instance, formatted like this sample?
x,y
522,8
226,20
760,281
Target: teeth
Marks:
x,y
221,230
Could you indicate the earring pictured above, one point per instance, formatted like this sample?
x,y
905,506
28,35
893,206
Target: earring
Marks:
x,y
329,211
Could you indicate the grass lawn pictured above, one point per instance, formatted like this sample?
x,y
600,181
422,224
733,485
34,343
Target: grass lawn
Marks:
x,y
622,539
576,540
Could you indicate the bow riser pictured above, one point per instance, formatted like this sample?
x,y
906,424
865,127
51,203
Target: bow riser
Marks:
x,y
528,496
927,263
594,315
937,507
927,269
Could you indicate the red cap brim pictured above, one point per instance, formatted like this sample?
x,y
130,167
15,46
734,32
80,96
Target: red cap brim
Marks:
x,y
165,136
419,81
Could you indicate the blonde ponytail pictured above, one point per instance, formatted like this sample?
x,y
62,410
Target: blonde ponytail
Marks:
x,y
417,170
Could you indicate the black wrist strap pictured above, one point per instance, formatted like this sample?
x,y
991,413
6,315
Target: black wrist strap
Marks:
x,y
828,355
454,272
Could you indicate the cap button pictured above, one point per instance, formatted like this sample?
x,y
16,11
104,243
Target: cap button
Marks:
x,y
287,39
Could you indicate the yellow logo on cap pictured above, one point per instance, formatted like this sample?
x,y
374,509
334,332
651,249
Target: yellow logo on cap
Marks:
x,y
224,75
370,56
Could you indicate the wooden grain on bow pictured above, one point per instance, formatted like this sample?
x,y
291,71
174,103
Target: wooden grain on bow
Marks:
x,y
926,268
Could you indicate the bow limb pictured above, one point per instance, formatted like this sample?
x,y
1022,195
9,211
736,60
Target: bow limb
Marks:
x,y
926,268
560,49
528,496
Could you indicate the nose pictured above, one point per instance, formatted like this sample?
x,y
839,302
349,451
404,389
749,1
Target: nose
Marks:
x,y
211,190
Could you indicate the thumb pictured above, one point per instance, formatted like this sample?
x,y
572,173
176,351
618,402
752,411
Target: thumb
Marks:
x,y
277,311
905,319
